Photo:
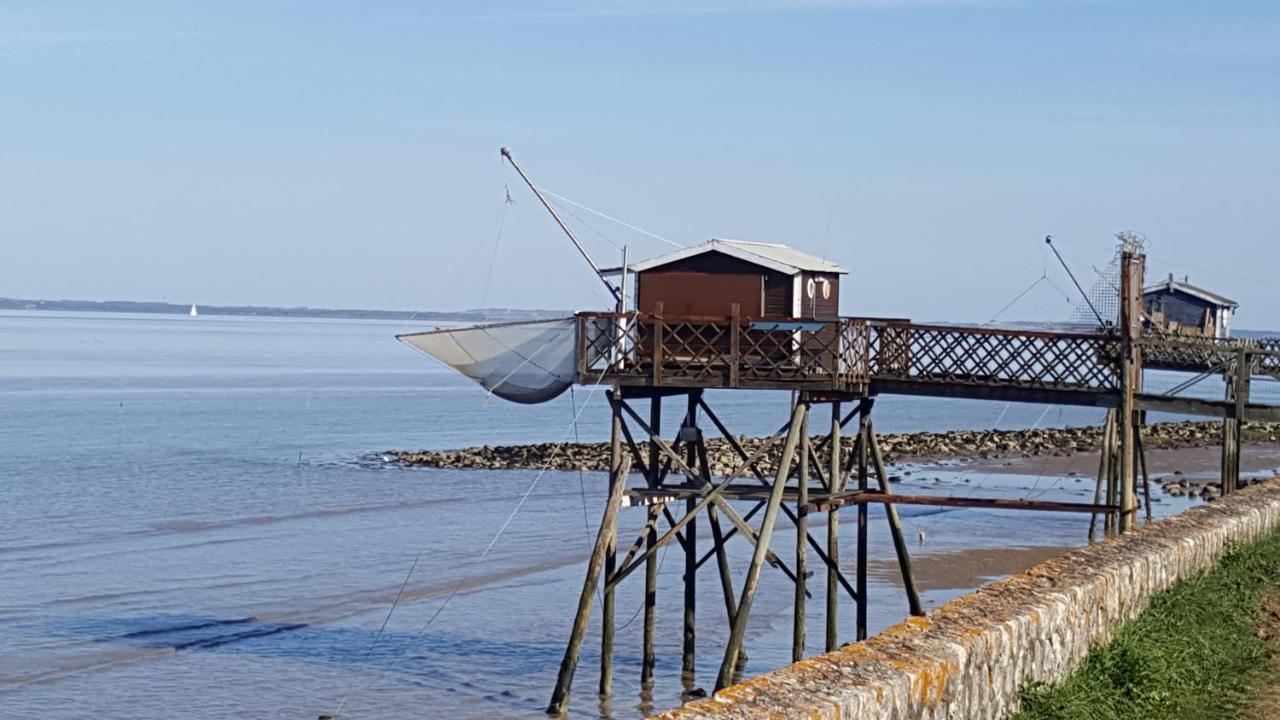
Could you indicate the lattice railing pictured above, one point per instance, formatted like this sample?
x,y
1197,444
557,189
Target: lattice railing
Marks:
x,y
986,356
1188,352
721,351
1268,360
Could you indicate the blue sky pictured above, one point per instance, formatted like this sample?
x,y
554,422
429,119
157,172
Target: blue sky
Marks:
x,y
346,154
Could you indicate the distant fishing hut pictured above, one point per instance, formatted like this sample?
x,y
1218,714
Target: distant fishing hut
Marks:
x,y
1177,306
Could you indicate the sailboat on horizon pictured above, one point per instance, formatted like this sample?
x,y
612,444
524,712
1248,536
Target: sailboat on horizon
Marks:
x,y
193,312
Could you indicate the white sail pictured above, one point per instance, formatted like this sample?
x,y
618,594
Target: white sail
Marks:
x,y
524,362
193,312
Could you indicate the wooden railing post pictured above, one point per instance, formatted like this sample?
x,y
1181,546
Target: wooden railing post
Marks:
x,y
657,343
735,343
584,362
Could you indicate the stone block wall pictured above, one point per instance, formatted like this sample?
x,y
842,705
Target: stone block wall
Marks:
x,y
970,657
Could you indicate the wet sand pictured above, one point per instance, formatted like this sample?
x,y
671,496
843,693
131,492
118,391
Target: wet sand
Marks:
x,y
962,569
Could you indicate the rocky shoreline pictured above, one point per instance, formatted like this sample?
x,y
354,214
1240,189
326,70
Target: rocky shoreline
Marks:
x,y
984,444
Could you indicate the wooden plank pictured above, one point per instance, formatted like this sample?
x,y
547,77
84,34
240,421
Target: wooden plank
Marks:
x,y
853,497
991,391
738,634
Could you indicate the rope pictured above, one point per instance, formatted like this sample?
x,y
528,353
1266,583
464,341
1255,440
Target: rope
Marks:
x,y
582,485
368,654
483,555
610,218
1015,300
493,257
661,561
1044,463
587,225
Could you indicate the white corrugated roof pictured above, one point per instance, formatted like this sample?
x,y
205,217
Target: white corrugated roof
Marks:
x,y
1175,285
779,258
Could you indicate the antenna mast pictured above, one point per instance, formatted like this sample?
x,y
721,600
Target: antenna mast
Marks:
x,y
617,293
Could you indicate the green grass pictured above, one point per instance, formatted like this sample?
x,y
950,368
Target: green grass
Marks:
x,y
1192,654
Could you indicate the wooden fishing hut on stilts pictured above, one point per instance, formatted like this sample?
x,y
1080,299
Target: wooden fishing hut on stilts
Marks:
x,y
729,315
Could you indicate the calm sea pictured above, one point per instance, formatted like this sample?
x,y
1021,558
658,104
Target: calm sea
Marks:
x,y
194,523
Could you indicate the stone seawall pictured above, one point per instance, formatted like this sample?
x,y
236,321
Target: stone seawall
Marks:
x,y
970,657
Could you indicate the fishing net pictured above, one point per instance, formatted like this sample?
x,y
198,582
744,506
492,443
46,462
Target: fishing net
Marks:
x,y
524,362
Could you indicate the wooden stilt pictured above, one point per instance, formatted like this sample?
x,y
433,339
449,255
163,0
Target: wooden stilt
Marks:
x,y
1127,476
1130,384
608,602
726,579
864,426
1142,463
648,659
835,478
737,635
1109,520
692,440
718,538
1232,427
802,545
1103,465
608,526
895,527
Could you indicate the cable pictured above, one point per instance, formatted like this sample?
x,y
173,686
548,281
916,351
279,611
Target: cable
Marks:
x,y
1045,462
1015,300
610,218
588,226
483,555
493,257
582,486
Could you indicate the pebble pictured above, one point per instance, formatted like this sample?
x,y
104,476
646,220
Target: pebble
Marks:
x,y
957,444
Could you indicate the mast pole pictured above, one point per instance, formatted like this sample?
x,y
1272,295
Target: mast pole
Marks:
x,y
572,238
1048,240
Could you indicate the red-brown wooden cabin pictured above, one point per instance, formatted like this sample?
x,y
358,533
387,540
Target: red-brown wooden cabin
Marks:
x,y
736,314
766,281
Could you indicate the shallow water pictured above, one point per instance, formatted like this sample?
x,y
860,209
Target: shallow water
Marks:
x,y
190,525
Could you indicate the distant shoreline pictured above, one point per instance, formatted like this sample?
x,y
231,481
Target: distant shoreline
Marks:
x,y
167,308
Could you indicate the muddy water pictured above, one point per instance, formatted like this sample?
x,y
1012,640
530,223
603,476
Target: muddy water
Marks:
x,y
187,529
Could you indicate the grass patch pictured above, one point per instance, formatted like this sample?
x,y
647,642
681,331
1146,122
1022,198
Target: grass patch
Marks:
x,y
1192,654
